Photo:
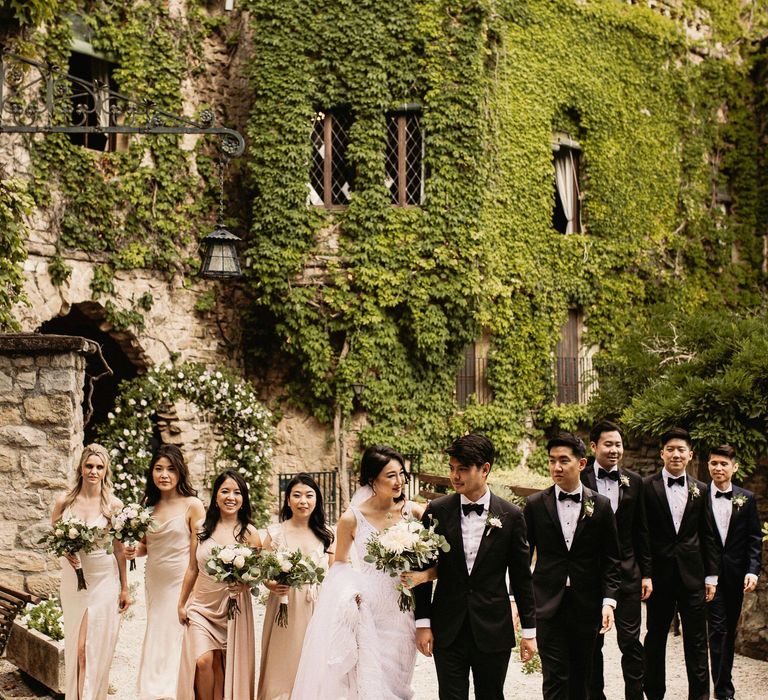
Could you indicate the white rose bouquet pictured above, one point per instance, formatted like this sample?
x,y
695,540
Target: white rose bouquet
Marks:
x,y
130,525
233,563
406,546
70,536
287,568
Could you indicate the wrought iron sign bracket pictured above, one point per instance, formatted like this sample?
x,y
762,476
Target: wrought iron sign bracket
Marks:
x,y
36,98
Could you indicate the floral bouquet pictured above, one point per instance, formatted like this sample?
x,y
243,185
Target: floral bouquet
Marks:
x,y
70,536
406,546
287,568
130,525
233,563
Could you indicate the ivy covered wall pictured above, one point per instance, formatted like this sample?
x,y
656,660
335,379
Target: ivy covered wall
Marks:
x,y
664,120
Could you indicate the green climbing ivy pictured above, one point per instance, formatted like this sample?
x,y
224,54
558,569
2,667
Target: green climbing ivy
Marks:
x,y
666,121
15,204
409,288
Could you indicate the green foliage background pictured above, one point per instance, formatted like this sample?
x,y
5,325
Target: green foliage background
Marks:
x,y
663,122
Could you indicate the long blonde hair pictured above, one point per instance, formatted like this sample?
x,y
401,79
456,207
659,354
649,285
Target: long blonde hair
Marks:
x,y
106,486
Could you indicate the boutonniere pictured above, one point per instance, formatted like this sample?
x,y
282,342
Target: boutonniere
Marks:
x,y
491,522
739,501
624,481
589,508
693,489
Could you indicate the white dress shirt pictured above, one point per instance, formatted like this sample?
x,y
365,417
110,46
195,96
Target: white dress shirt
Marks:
x,y
677,497
608,487
722,509
473,527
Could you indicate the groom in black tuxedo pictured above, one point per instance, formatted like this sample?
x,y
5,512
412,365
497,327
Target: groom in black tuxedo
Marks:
x,y
739,541
685,566
576,581
624,489
468,624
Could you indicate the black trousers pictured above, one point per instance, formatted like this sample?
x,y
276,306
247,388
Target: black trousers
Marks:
x,y
454,663
627,622
566,646
723,613
693,617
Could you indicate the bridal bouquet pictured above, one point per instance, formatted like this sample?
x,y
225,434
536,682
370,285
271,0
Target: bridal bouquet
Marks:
x,y
233,563
70,536
406,546
287,568
130,525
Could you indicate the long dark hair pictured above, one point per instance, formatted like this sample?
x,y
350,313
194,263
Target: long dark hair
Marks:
x,y
317,517
375,458
176,458
213,514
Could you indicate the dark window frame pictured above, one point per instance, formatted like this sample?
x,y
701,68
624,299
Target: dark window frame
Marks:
x,y
91,68
403,175
338,117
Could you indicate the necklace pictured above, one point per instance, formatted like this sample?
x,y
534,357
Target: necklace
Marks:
x,y
388,516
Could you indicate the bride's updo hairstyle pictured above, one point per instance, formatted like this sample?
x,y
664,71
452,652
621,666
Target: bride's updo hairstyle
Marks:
x,y
375,458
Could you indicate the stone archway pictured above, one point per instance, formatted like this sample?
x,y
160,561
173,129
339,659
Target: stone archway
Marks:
x,y
120,350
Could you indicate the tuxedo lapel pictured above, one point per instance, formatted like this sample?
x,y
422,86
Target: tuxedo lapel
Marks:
x,y
621,490
661,494
588,477
689,502
488,532
586,495
453,530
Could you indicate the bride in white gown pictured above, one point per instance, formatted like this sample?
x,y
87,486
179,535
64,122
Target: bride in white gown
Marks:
x,y
359,645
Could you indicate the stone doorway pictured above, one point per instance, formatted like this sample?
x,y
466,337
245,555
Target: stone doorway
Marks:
x,y
120,351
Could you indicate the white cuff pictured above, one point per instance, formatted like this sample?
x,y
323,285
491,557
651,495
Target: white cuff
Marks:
x,y
528,633
610,601
753,577
710,580
423,623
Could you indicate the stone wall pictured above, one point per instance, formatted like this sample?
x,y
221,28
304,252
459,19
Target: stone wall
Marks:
x,y
41,435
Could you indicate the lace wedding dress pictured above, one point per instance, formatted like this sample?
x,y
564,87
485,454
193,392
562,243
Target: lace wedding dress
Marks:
x,y
358,646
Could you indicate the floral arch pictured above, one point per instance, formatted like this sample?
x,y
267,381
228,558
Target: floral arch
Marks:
x,y
230,405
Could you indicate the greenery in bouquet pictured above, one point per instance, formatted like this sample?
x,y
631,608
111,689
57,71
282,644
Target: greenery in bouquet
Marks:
x,y
233,563
406,546
72,536
130,525
45,617
288,568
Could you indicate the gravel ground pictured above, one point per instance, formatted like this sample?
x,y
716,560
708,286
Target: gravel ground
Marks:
x,y
751,676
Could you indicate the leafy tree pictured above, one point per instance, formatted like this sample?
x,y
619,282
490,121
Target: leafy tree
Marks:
x,y
706,371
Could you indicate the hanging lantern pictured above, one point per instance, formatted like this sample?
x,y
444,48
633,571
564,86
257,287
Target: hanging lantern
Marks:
x,y
219,251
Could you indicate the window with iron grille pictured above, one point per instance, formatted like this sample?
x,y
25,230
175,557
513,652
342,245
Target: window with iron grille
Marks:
x,y
575,381
472,378
405,158
90,99
330,175
566,215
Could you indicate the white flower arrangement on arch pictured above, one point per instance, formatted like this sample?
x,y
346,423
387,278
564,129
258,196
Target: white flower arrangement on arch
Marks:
x,y
228,402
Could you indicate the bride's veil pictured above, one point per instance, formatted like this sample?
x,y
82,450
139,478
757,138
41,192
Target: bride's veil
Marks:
x,y
362,494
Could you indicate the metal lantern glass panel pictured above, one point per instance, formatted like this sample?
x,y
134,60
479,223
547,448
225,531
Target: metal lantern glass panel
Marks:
x,y
220,255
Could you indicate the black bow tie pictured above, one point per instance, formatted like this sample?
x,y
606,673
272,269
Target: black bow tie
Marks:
x,y
680,481
563,496
602,474
724,494
468,508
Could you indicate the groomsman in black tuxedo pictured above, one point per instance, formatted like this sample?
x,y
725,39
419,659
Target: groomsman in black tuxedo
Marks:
x,y
685,565
624,489
468,624
739,541
577,576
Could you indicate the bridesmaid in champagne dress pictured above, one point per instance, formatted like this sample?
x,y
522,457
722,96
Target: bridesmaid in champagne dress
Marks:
x,y
176,510
218,655
302,527
91,616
